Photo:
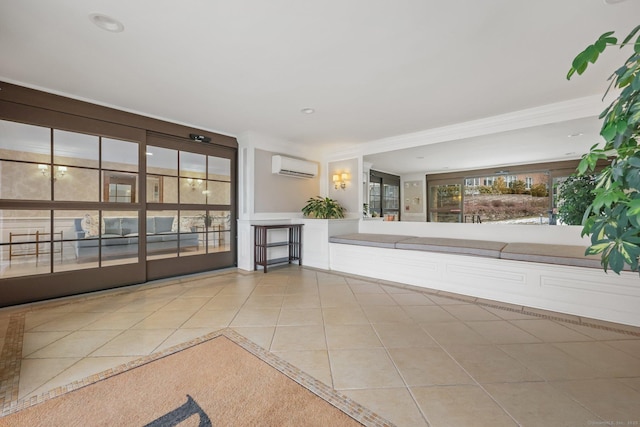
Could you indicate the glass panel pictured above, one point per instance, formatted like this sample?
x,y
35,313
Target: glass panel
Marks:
x,y
445,203
219,169
119,155
75,149
120,187
218,193
154,189
24,142
192,190
76,184
218,231
192,165
162,167
120,238
162,234
510,199
24,181
192,232
391,202
80,246
26,243
169,187
162,161
374,199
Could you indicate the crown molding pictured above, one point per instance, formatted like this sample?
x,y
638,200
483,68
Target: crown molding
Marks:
x,y
590,106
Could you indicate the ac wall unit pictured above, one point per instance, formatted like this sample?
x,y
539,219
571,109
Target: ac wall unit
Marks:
x,y
293,167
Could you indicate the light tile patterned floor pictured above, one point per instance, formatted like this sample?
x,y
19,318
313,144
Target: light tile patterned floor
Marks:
x,y
414,357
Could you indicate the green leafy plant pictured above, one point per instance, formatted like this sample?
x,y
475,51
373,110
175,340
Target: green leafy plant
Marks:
x,y
575,195
206,219
323,208
613,218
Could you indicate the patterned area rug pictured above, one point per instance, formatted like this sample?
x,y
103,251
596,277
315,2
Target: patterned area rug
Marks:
x,y
218,379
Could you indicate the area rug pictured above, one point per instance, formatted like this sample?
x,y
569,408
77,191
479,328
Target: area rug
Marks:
x,y
221,379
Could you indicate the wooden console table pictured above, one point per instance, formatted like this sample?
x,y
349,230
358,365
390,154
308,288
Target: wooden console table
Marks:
x,y
262,245
39,241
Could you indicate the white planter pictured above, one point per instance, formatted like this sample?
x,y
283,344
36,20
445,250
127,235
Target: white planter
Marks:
x,y
315,238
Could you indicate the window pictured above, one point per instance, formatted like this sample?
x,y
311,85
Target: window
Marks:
x,y
520,195
47,166
384,195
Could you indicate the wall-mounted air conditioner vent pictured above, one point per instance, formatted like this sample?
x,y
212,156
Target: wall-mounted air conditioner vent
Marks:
x,y
293,167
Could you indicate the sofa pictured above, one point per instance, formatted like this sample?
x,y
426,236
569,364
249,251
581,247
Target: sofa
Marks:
x,y
119,236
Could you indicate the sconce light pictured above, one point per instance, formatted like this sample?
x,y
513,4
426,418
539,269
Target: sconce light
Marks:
x,y
340,180
194,183
59,171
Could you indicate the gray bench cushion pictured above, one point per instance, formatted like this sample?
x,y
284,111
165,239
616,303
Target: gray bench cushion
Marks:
x,y
364,239
485,248
550,254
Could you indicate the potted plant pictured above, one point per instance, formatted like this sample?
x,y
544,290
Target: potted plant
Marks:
x,y
207,219
323,208
613,218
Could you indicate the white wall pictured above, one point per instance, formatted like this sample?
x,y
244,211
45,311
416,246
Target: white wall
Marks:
x,y
413,186
349,196
265,198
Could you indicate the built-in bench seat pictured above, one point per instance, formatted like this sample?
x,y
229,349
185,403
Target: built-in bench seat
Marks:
x,y
367,239
483,248
532,252
550,254
549,276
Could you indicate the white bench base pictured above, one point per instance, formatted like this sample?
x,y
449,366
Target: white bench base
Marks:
x,y
580,291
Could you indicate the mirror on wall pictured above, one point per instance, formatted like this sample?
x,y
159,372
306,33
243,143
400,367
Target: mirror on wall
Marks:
x,y
506,177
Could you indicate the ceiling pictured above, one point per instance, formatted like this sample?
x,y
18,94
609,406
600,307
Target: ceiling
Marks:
x,y
371,69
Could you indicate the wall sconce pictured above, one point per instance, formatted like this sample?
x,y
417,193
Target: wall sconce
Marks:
x,y
194,183
59,171
340,180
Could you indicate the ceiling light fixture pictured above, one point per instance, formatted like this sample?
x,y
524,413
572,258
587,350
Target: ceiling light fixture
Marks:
x,y
107,23
307,111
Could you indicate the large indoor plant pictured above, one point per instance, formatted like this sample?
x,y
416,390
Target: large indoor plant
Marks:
x,y
613,218
575,195
323,208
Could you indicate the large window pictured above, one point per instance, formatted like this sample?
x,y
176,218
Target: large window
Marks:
x,y
520,195
86,189
189,200
55,169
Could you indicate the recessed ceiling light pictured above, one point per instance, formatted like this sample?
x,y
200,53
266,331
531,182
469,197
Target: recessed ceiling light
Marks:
x,y
571,153
420,157
107,23
307,111
613,1
573,135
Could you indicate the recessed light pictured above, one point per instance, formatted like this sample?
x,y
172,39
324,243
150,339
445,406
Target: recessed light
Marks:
x,y
571,153
107,23
307,111
573,135
613,1
420,157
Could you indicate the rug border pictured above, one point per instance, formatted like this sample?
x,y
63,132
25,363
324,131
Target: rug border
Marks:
x,y
351,408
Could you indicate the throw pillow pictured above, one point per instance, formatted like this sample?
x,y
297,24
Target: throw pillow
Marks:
x,y
184,224
91,225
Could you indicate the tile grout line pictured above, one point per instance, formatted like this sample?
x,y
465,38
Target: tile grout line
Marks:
x,y
406,385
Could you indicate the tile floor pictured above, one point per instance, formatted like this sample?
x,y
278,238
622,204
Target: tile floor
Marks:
x,y
416,358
